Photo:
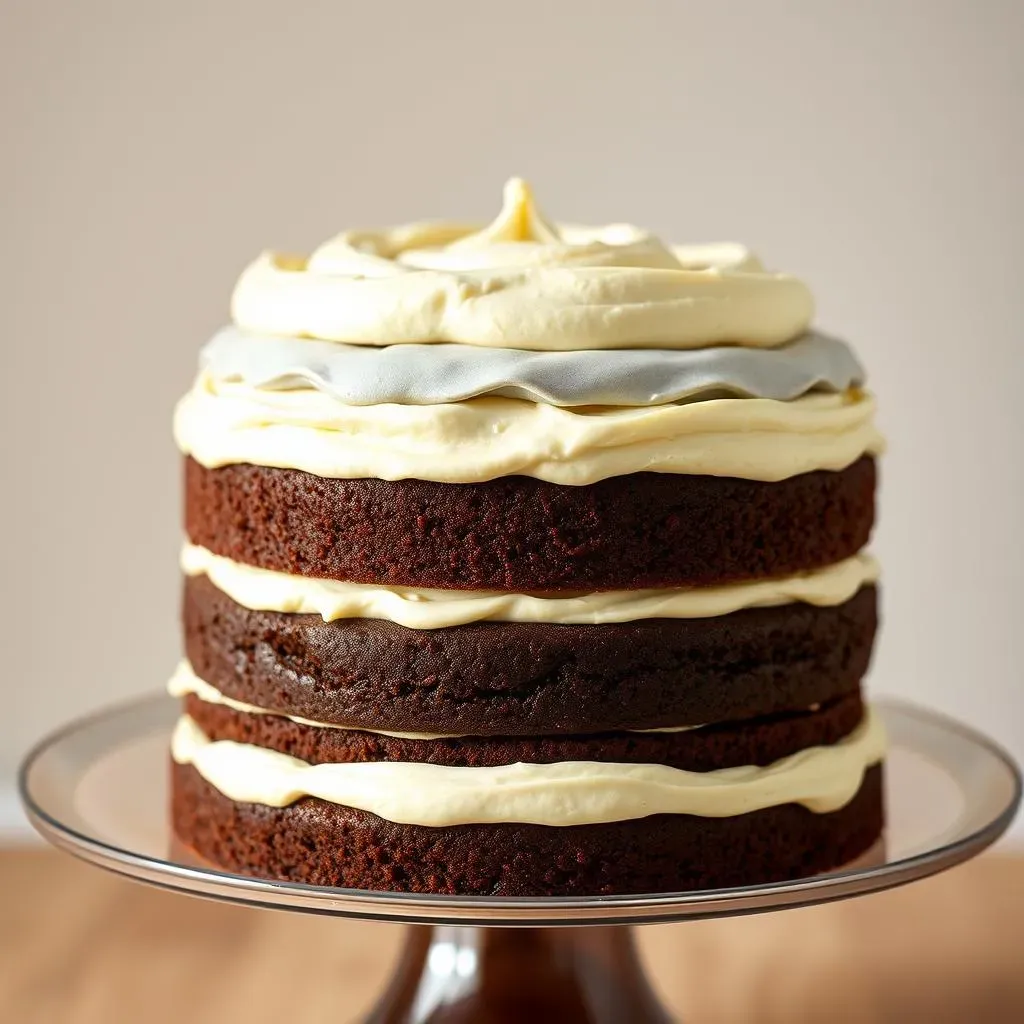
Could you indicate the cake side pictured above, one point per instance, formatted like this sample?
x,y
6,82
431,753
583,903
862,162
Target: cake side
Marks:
x,y
757,742
520,678
626,532
320,843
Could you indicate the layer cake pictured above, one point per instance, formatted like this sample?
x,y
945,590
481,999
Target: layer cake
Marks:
x,y
526,559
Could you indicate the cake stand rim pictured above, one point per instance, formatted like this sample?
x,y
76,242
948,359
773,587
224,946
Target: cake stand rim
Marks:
x,y
489,911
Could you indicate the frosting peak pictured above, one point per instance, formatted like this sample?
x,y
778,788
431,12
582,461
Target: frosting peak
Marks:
x,y
519,237
522,282
519,220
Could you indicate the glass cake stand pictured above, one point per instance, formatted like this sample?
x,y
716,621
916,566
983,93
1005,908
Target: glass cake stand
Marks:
x,y
98,789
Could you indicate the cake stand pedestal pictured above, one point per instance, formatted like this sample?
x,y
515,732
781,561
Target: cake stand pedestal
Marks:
x,y
98,790
467,973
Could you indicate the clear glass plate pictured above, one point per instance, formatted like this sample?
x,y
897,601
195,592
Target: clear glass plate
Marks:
x,y
98,789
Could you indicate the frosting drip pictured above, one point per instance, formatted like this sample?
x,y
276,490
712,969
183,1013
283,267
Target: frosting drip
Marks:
x,y
467,442
521,282
436,374
566,793
417,608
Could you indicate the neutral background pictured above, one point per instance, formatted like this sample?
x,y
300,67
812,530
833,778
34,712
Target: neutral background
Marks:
x,y
150,149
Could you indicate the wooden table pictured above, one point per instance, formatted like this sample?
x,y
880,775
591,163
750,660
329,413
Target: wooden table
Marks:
x,y
82,947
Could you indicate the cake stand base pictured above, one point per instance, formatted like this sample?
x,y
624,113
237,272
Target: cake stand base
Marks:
x,y
457,974
98,790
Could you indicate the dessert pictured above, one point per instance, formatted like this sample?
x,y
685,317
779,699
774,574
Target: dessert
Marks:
x,y
526,560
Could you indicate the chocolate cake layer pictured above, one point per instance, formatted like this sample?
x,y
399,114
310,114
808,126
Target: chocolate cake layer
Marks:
x,y
327,844
523,679
518,533
759,742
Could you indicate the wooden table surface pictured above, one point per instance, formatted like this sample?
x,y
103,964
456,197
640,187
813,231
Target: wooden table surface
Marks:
x,y
78,946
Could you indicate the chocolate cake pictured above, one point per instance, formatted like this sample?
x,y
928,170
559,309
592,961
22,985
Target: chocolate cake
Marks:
x,y
526,560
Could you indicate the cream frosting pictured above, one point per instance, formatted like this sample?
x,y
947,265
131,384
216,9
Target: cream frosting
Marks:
x,y
417,608
521,282
184,681
565,793
437,374
480,439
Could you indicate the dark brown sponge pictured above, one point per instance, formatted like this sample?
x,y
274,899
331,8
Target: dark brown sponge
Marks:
x,y
522,679
517,533
320,843
758,742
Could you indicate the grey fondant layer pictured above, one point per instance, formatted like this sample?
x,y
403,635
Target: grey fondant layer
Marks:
x,y
433,374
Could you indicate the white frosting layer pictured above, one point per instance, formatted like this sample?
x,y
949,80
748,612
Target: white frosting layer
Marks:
x,y
438,374
184,681
266,590
521,282
480,439
822,779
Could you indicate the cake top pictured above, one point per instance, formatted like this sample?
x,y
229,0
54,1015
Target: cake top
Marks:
x,y
522,282
460,353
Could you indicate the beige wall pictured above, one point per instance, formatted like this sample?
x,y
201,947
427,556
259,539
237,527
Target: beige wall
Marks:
x,y
151,148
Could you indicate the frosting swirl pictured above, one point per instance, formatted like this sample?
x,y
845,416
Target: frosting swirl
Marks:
x,y
522,282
